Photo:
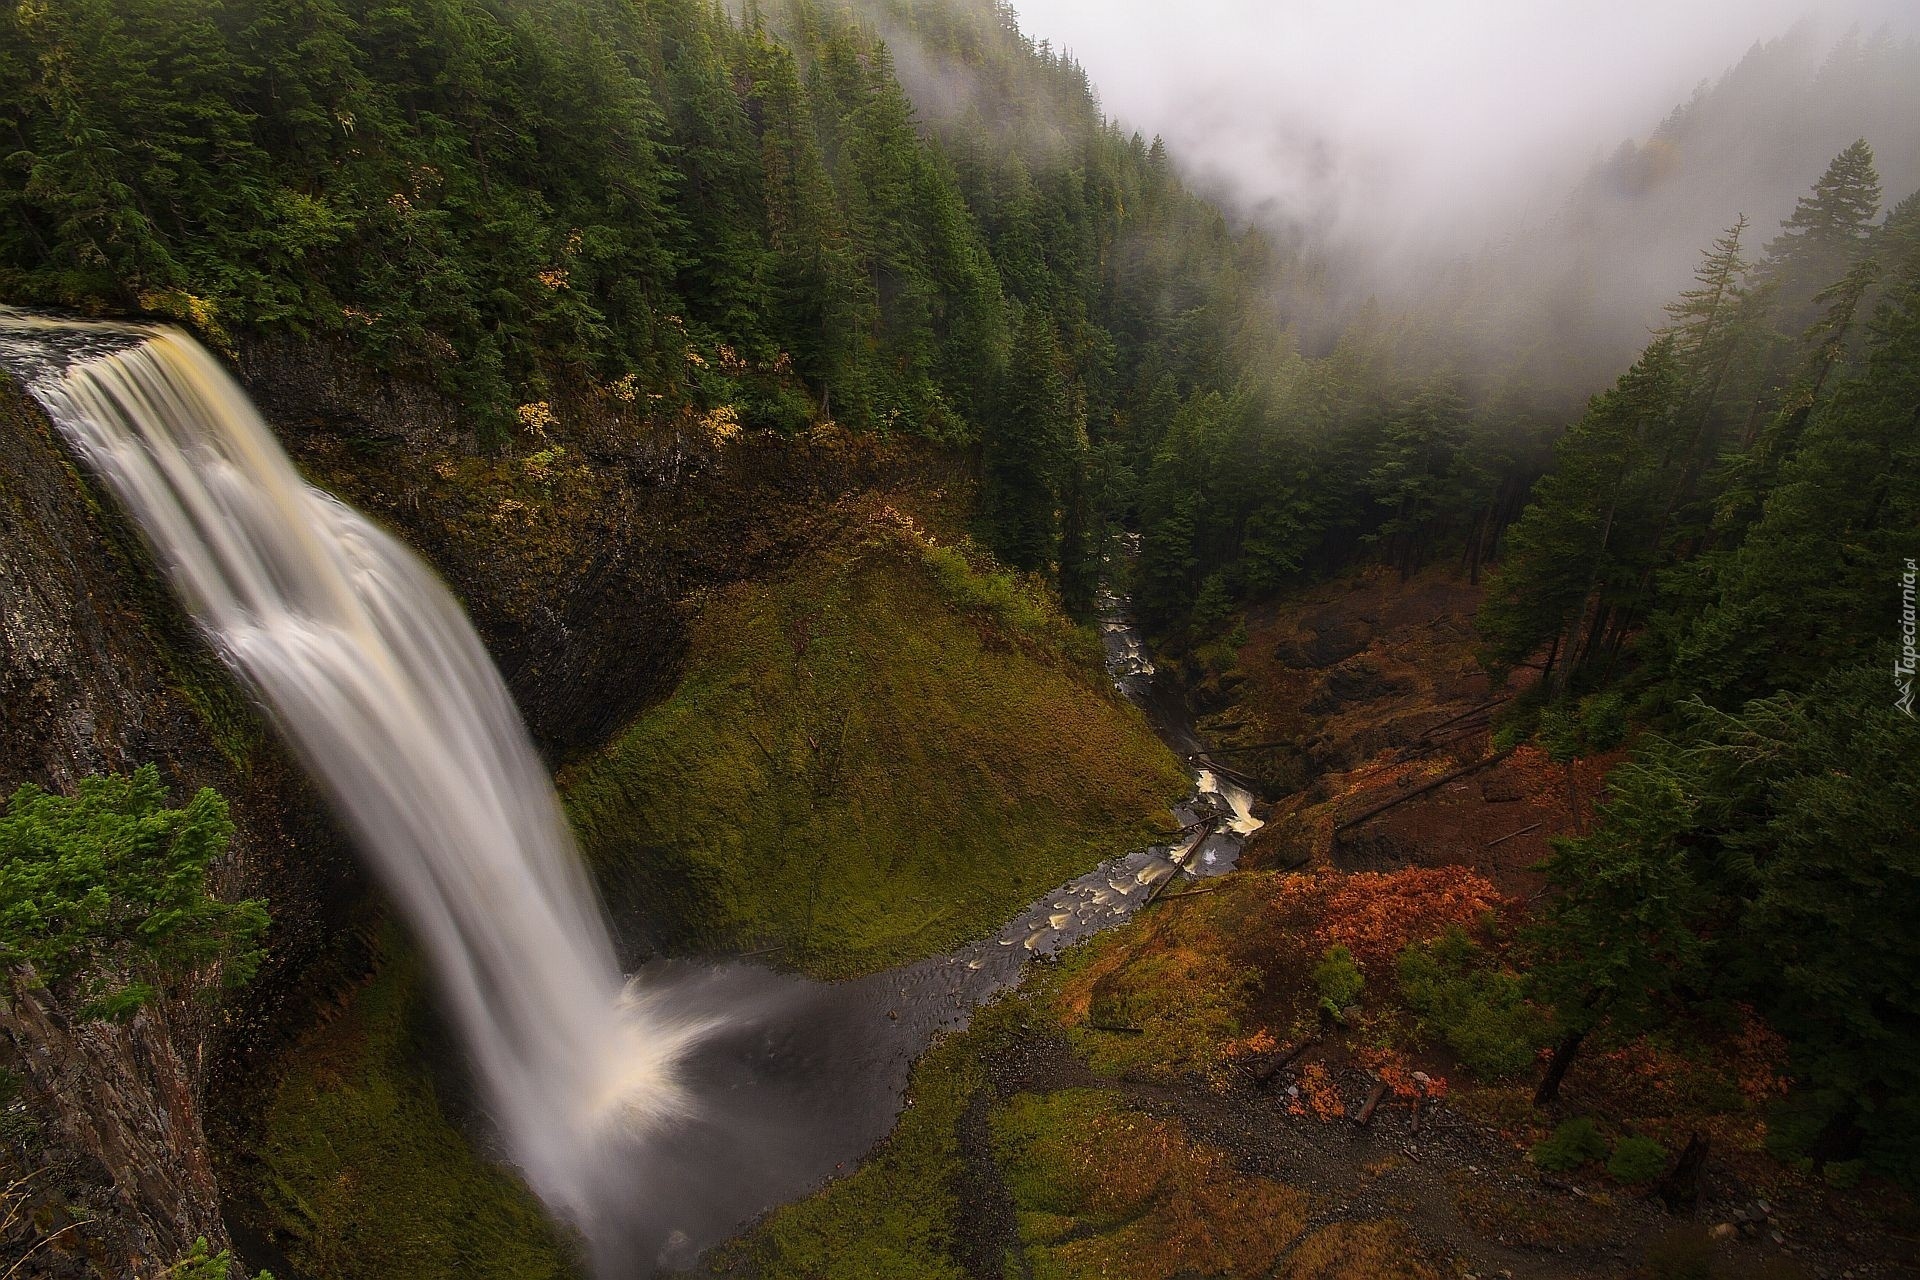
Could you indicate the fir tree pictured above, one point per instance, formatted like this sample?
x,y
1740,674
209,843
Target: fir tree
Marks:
x,y
1023,449
1823,236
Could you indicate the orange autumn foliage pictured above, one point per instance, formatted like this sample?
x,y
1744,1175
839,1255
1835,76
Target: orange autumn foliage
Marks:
x,y
1257,1045
1396,1071
1377,914
1318,1093
1759,1059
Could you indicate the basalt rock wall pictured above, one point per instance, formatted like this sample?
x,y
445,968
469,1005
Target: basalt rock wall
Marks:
x,y
580,550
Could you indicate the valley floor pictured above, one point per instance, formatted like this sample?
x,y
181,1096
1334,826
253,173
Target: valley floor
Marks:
x,y
1181,1097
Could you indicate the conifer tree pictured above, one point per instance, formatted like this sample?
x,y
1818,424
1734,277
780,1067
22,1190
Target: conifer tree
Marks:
x,y
1580,555
1414,476
1805,588
1825,233
1023,448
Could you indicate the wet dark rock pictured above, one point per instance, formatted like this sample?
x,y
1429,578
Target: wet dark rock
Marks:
x,y
585,616
1356,681
100,672
1326,644
1215,690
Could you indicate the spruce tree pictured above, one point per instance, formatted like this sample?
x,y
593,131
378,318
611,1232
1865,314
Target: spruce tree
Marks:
x,y
1823,236
1023,446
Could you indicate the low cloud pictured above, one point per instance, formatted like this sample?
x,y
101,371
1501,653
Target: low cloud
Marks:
x,y
1398,130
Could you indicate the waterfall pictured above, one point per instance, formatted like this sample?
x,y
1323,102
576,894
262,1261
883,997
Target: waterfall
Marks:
x,y
657,1116
373,673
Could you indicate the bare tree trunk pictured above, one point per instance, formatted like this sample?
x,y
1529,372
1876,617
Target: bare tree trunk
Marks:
x,y
1563,1053
1680,1188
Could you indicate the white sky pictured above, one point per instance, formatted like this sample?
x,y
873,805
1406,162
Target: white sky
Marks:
x,y
1441,112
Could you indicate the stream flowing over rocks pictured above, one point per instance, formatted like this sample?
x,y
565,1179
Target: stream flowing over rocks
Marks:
x,y
776,1082
814,1074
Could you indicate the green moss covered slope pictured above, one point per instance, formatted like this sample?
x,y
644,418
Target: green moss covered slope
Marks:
x,y
359,1173
882,755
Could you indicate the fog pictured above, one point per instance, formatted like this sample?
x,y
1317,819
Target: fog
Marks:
x,y
1389,131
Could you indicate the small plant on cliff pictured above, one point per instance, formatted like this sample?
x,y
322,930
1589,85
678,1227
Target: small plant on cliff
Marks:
x,y
1338,980
105,890
1636,1160
201,1265
1573,1144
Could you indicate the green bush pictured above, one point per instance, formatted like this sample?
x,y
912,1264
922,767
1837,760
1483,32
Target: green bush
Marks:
x,y
1596,723
1479,1010
200,1265
998,594
1573,1144
1636,1160
106,890
1338,979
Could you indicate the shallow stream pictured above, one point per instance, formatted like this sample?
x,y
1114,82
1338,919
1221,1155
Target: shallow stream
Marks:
x,y
807,1090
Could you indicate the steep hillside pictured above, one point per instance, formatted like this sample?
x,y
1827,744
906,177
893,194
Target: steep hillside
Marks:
x,y
870,760
866,760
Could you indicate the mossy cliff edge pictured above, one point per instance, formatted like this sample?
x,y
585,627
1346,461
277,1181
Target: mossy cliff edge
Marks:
x,y
875,756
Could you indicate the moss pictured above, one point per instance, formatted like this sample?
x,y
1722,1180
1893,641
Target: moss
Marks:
x,y
1162,998
1100,1189
362,1173
857,768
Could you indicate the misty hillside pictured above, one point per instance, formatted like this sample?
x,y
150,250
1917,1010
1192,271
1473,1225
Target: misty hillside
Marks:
x,y
1574,298
669,638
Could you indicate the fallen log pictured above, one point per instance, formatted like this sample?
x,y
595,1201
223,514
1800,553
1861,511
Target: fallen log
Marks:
x,y
1193,893
1365,1115
1426,746
1511,834
1251,784
1207,829
1451,775
1280,1060
1470,711
1241,750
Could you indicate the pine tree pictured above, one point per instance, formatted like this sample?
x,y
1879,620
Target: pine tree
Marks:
x,y
1623,943
1807,588
1023,447
1824,235
1414,476
1578,560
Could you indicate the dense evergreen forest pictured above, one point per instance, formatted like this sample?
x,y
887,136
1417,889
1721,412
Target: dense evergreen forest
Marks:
x,y
911,220
661,201
1724,552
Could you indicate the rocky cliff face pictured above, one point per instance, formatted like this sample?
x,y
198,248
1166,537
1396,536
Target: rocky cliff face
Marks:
x,y
100,672
577,545
577,549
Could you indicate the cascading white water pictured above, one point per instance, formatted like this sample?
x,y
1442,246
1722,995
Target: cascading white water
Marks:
x,y
373,672
657,1119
